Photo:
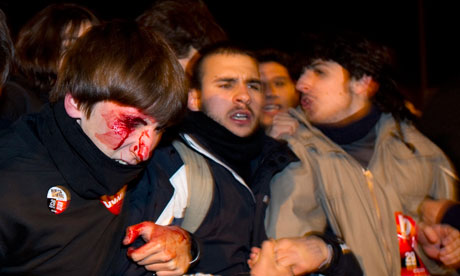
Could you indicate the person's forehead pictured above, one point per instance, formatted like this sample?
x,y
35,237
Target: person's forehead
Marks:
x,y
272,67
328,64
323,62
229,63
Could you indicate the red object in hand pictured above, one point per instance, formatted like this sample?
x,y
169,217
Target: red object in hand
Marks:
x,y
167,248
169,237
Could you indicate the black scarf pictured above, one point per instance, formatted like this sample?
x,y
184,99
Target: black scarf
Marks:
x,y
354,131
237,152
87,170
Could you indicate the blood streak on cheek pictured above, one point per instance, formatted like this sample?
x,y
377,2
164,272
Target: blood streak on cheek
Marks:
x,y
143,151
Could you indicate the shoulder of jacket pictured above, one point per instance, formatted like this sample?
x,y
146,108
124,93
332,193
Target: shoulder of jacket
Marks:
x,y
388,135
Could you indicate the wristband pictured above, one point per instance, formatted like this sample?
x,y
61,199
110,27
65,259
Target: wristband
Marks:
x,y
194,250
324,265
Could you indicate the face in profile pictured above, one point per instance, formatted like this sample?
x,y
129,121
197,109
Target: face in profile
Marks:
x,y
231,92
279,91
121,132
326,90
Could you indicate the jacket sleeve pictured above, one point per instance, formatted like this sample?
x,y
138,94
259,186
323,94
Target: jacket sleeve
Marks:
x,y
343,261
195,250
446,183
452,216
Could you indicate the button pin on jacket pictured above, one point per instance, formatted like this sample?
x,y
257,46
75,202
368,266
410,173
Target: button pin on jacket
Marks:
x,y
58,199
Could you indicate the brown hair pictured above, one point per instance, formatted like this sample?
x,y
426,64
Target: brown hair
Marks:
x,y
123,62
39,42
184,24
221,48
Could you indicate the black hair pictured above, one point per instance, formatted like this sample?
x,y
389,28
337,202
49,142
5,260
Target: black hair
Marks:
x,y
278,56
184,24
226,48
361,57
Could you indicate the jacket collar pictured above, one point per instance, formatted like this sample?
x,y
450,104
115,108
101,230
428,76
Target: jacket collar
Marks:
x,y
386,136
308,135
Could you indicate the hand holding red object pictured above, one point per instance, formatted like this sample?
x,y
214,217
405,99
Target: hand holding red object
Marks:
x,y
440,242
167,248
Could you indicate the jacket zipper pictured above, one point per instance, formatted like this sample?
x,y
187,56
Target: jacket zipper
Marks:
x,y
370,184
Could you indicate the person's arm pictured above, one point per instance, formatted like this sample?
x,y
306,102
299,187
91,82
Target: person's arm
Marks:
x,y
318,253
440,242
283,124
195,250
343,261
263,261
304,254
441,211
452,216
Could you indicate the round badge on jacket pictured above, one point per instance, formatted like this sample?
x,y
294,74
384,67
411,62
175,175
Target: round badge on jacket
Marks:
x,y
58,199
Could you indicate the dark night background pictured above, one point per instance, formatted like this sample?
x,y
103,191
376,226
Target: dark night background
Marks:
x,y
423,33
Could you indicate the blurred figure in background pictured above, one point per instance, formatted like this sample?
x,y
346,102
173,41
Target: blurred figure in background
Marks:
x,y
42,42
187,25
278,85
6,61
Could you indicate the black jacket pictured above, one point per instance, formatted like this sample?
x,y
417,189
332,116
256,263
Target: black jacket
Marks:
x,y
235,220
452,216
37,154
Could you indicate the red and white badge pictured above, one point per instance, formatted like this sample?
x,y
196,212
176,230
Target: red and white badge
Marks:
x,y
58,199
114,203
411,264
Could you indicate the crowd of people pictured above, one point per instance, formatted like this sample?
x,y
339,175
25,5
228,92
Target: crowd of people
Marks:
x,y
160,146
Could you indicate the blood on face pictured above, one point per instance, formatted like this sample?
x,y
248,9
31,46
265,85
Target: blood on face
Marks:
x,y
120,126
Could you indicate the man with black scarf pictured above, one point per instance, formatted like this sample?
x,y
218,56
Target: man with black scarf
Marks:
x,y
65,172
223,127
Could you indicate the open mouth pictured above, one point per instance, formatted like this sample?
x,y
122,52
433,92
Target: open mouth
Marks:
x,y
306,102
241,116
271,108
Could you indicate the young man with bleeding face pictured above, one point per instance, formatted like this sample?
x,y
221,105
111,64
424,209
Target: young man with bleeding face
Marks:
x,y
123,133
68,173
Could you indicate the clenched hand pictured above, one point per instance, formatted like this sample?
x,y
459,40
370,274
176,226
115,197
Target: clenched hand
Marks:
x,y
167,248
